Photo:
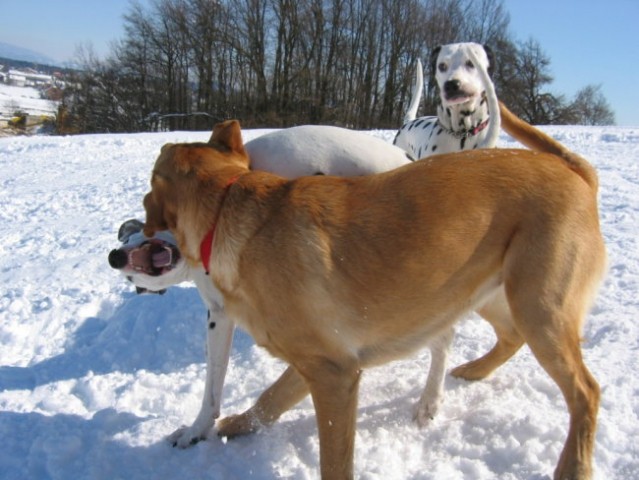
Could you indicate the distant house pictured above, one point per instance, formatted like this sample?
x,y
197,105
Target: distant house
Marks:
x,y
28,78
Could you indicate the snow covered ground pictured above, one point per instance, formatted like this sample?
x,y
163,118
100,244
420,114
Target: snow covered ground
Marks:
x,y
93,377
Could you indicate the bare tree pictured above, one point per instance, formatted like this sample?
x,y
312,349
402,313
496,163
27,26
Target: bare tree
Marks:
x,y
590,107
536,106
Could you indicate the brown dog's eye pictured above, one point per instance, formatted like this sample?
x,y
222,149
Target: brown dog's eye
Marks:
x,y
442,67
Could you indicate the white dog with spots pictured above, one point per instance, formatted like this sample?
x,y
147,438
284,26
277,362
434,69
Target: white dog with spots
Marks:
x,y
467,103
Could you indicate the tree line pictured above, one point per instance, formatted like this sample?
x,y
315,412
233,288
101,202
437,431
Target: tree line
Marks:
x,y
186,64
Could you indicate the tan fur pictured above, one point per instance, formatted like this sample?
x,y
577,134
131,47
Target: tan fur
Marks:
x,y
335,275
540,142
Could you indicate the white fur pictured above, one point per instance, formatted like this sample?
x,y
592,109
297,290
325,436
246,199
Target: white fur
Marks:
x,y
290,152
474,102
313,149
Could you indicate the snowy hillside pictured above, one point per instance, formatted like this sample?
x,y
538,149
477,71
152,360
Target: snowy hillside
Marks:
x,y
24,99
93,377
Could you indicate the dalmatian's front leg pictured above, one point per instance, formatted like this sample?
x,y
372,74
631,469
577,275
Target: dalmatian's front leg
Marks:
x,y
219,336
433,393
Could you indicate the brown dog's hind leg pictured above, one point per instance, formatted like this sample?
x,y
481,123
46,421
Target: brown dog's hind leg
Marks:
x,y
548,301
497,313
287,391
508,343
558,351
550,283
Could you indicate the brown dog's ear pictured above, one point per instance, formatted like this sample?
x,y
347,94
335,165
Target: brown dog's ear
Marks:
x,y
154,216
228,134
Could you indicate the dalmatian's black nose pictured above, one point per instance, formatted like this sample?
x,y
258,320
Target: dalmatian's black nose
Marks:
x,y
451,87
118,259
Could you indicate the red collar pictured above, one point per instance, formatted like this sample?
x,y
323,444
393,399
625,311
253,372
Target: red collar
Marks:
x,y
206,247
466,133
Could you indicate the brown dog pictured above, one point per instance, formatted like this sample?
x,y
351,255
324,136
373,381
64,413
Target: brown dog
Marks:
x,y
334,275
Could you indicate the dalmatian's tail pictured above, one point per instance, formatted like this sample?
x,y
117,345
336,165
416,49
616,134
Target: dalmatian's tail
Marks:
x,y
416,97
538,141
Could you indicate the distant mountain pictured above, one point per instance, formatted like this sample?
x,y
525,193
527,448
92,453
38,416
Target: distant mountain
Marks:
x,y
24,54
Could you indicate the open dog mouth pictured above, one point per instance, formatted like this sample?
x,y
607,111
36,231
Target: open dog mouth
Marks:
x,y
456,98
153,257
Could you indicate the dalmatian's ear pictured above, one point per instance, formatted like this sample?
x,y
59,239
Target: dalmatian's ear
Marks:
x,y
491,60
433,61
128,228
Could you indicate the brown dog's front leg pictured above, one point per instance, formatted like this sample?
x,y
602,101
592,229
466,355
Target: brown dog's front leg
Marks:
x,y
334,389
285,393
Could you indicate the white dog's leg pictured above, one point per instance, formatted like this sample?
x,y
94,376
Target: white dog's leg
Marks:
x,y
219,336
428,404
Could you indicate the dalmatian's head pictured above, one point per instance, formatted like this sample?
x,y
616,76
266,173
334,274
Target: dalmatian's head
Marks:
x,y
457,76
151,264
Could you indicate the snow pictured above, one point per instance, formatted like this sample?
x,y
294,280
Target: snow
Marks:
x,y
24,99
93,377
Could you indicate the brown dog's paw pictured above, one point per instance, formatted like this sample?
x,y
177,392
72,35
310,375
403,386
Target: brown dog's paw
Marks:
x,y
572,469
237,425
471,371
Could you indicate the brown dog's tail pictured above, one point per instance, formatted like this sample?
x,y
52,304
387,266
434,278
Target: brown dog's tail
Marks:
x,y
538,141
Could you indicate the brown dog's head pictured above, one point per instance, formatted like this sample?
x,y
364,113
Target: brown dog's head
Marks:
x,y
190,177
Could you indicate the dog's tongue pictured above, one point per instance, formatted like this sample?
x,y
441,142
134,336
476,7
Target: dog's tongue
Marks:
x,y
455,99
152,258
161,257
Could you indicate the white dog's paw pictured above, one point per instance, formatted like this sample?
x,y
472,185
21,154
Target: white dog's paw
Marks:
x,y
424,412
185,437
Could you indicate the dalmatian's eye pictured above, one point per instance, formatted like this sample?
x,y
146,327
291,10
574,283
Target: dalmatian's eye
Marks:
x,y
442,67
470,64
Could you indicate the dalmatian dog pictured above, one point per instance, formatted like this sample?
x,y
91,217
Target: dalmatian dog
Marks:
x,y
154,264
468,103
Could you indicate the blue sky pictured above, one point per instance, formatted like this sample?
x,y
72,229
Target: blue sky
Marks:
x,y
588,42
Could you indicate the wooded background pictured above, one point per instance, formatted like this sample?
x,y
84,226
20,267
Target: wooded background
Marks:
x,y
186,64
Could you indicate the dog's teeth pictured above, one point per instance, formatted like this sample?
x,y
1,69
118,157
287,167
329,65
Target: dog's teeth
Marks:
x,y
139,258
